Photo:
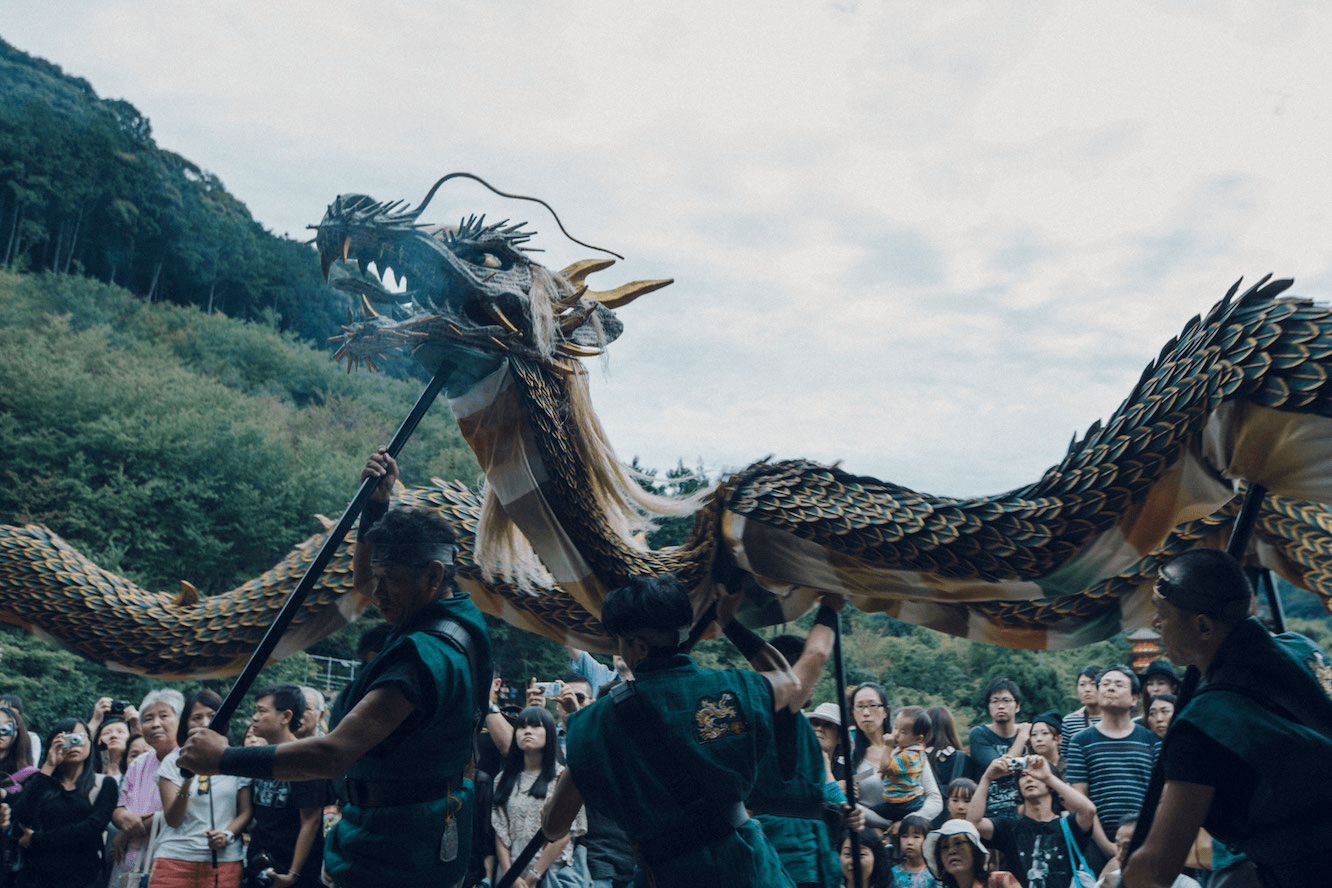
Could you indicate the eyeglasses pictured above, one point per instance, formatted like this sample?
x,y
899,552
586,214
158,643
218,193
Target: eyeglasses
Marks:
x,y
581,698
1002,700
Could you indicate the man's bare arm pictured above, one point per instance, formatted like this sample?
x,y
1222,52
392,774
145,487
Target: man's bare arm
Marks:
x,y
1178,818
372,720
561,808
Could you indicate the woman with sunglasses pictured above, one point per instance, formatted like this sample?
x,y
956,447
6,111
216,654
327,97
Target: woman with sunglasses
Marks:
x,y
15,753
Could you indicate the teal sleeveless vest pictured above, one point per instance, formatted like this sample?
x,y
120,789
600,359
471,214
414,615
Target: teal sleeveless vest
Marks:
x,y
426,843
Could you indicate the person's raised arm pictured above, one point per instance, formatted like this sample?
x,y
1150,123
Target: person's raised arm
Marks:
x,y
766,659
819,643
976,807
1019,747
369,723
561,808
385,468
501,732
1076,803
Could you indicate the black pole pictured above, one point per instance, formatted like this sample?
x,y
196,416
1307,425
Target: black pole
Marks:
x,y
1239,543
848,778
522,860
326,553
1248,516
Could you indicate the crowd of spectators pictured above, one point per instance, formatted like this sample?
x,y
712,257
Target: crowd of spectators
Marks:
x,y
1025,801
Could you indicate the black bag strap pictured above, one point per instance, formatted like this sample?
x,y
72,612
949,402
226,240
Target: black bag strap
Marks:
x,y
458,637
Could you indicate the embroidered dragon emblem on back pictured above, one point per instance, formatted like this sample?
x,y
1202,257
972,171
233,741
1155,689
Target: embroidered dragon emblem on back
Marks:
x,y
718,717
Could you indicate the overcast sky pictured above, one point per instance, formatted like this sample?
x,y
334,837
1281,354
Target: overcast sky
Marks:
x,y
931,240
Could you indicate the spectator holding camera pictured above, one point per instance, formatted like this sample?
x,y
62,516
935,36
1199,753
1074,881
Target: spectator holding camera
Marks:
x,y
15,753
60,815
1003,736
106,709
1034,844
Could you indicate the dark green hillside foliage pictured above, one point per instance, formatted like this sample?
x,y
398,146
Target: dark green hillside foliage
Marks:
x,y
84,190
168,444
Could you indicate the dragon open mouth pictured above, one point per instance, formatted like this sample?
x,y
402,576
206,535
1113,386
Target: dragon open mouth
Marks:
x,y
460,293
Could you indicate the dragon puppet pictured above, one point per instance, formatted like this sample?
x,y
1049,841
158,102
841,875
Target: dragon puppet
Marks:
x,y
1242,396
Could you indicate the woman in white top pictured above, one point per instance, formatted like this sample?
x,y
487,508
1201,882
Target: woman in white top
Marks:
x,y
204,815
529,771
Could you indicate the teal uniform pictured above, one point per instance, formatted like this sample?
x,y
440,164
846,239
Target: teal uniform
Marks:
x,y
1259,730
790,808
710,730
427,842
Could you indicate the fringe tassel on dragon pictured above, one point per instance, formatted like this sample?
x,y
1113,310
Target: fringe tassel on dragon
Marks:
x,y
1241,396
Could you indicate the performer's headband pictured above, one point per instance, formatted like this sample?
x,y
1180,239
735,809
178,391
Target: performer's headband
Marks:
x,y
411,554
1174,585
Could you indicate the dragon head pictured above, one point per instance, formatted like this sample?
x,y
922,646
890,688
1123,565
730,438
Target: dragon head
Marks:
x,y
470,296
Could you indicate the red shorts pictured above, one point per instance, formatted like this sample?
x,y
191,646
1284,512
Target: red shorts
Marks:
x,y
168,873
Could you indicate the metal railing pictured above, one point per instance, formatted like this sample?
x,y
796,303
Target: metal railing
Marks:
x,y
334,673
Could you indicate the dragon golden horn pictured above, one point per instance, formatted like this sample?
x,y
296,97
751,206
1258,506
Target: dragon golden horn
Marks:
x,y
622,296
577,273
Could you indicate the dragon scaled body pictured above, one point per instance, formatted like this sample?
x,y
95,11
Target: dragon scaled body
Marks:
x,y
1241,396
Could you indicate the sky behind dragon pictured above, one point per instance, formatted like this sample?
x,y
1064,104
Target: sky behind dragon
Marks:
x,y
929,240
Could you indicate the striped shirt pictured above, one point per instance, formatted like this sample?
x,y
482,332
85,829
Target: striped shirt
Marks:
x,y
1075,721
1116,770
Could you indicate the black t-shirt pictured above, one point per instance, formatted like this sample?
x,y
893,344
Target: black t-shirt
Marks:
x,y
1036,851
277,823
1193,757
986,746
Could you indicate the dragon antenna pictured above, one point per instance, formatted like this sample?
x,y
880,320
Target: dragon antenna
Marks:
x,y
433,188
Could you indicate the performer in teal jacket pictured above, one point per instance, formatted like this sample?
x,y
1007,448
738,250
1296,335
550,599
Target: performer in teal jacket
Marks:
x,y
672,755
402,732
796,812
1249,753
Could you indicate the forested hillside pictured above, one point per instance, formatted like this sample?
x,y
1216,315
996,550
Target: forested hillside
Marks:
x,y
84,189
167,444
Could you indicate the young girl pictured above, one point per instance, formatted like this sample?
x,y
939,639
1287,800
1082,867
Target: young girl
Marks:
x,y
912,871
528,775
959,796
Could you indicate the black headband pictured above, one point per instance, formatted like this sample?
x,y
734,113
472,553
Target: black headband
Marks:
x,y
1199,601
411,554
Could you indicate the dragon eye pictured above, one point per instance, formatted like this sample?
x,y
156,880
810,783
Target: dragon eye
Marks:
x,y
489,260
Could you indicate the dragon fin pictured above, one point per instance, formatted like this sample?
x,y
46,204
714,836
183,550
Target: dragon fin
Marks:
x,y
189,596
